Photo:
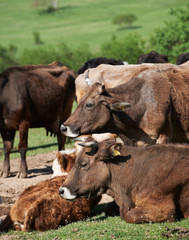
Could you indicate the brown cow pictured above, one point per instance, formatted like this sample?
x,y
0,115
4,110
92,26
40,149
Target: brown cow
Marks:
x,y
149,184
159,112
33,97
41,208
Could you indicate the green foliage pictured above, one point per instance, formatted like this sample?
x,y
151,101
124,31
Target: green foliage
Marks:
x,y
72,58
126,19
173,38
8,57
125,49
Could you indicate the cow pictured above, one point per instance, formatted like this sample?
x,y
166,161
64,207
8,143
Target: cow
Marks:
x,y
93,63
152,107
33,96
182,58
112,76
153,57
41,208
149,184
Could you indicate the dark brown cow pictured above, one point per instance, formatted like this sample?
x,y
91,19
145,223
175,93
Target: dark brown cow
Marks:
x,y
182,58
92,63
33,97
149,184
159,112
41,208
153,57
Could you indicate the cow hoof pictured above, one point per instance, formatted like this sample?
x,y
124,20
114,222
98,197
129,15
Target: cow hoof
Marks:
x,y
22,175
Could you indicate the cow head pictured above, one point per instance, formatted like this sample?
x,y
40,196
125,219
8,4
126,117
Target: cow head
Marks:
x,y
90,175
64,162
94,113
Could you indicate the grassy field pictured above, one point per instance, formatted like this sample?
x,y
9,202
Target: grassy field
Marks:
x,y
99,227
79,22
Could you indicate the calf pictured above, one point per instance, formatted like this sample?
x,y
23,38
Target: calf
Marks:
x,y
41,208
149,184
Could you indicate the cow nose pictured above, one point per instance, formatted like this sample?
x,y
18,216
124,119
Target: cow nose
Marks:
x,y
63,128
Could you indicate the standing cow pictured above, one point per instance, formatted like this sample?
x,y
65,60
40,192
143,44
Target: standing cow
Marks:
x,y
33,97
149,184
159,107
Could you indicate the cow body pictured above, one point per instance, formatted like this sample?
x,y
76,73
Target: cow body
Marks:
x,y
159,106
182,58
149,184
41,208
93,63
33,97
152,57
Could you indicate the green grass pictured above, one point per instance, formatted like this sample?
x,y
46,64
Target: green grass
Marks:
x,y
99,227
79,22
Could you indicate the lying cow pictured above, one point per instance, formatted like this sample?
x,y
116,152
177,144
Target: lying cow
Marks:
x,y
155,99
150,184
153,57
68,156
92,63
33,97
41,208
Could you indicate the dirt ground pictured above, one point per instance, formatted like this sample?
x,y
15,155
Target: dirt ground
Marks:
x,y
39,169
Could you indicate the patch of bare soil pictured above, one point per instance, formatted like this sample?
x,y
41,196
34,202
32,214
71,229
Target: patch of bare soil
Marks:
x,y
39,169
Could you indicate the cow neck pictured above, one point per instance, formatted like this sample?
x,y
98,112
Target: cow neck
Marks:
x,y
118,187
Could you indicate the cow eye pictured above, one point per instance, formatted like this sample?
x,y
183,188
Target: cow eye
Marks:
x,y
88,105
83,164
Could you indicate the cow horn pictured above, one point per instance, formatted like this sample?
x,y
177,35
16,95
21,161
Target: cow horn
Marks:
x,y
87,80
87,144
81,139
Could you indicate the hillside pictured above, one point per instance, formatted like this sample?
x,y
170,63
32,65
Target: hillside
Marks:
x,y
78,22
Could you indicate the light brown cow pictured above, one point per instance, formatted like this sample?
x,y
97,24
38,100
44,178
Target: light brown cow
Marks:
x,y
150,184
41,208
159,107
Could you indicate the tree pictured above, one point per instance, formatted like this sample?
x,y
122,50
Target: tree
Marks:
x,y
126,19
173,38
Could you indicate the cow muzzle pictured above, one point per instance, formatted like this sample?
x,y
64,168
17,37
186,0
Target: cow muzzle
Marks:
x,y
65,193
66,130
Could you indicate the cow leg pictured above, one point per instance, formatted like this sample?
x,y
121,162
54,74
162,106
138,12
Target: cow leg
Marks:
x,y
8,140
61,141
22,148
150,213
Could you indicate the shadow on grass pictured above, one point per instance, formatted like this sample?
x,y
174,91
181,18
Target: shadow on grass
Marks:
x,y
129,28
51,10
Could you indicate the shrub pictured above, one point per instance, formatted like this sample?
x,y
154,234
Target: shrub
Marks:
x,y
126,19
173,38
127,49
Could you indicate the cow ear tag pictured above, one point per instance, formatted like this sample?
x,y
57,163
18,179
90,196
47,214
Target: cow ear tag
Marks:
x,y
120,106
114,151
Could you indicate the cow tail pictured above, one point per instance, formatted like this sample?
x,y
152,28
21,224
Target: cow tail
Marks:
x,y
6,224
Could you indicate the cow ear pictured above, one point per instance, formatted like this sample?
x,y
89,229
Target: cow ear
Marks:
x,y
119,106
101,89
62,159
115,149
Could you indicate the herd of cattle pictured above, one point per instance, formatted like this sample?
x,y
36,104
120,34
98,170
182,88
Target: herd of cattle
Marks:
x,y
135,119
